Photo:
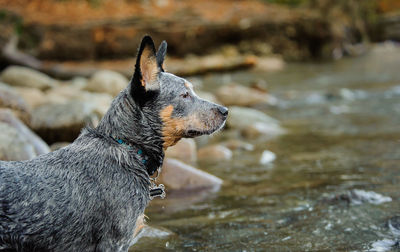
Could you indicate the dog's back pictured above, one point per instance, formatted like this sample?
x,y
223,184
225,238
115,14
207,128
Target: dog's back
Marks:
x,y
66,200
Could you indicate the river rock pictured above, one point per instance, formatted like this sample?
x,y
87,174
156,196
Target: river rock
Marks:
x,y
33,97
27,77
18,142
106,81
65,94
234,144
238,95
214,153
10,99
63,122
184,150
177,175
253,123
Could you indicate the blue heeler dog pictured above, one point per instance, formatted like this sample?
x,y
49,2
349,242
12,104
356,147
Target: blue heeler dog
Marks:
x,y
91,195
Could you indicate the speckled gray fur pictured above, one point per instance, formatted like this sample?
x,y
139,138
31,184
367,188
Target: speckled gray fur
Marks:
x,y
87,196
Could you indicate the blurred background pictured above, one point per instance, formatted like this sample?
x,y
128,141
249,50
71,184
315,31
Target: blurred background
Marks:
x,y
309,159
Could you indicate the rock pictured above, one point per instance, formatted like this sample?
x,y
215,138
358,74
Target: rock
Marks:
x,y
267,157
177,175
253,123
151,232
106,81
64,94
184,150
262,129
214,153
238,95
269,64
18,142
26,77
357,197
234,144
33,97
63,122
10,99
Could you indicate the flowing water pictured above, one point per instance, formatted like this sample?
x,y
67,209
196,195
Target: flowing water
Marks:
x,y
335,182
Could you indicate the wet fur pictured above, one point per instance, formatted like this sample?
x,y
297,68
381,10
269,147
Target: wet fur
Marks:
x,y
91,195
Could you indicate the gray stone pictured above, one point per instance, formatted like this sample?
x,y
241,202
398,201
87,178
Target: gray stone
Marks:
x,y
177,175
63,122
106,81
26,77
238,95
214,153
253,123
18,142
10,99
184,150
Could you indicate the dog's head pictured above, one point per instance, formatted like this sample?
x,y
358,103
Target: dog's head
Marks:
x,y
171,99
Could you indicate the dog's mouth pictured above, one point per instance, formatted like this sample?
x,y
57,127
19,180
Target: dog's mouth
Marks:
x,y
196,133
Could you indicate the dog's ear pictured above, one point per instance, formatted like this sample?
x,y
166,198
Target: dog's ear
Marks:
x,y
146,68
162,51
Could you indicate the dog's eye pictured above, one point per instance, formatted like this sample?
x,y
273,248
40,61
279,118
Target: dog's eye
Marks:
x,y
185,95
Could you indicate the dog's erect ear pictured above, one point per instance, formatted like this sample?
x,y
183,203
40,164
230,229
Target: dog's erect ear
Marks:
x,y
146,68
162,51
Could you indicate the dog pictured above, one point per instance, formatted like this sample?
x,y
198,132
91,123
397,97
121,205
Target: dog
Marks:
x,y
91,195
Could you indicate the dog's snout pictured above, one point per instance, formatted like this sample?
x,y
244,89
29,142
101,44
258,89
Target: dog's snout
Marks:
x,y
223,110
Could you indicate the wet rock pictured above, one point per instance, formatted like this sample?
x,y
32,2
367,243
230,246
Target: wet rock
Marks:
x,y
394,225
177,175
234,144
63,122
253,123
106,81
238,95
358,197
27,77
18,142
151,232
267,157
33,97
214,153
184,150
10,99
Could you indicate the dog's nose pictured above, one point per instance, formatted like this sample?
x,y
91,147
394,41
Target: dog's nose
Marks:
x,y
223,110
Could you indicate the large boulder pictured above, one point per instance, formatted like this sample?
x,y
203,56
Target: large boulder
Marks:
x,y
239,95
27,77
106,81
10,99
177,175
18,142
184,150
63,122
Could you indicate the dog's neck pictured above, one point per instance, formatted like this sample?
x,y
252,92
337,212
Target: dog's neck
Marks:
x,y
125,121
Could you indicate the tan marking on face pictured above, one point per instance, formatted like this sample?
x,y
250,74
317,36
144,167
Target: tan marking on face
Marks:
x,y
140,224
148,67
173,128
